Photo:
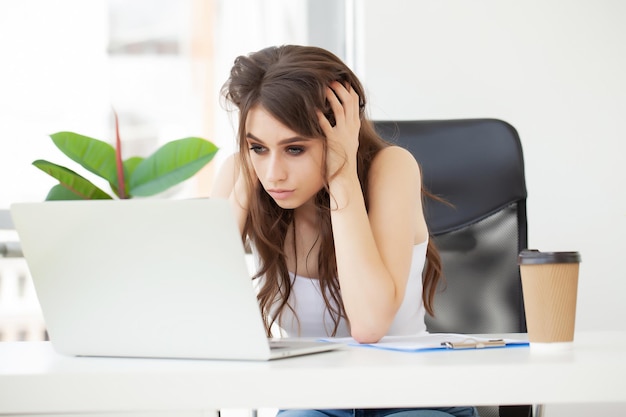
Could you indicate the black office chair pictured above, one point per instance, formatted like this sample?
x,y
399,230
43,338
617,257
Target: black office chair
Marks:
x,y
477,167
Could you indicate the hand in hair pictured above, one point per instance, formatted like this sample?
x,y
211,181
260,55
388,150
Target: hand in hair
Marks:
x,y
343,137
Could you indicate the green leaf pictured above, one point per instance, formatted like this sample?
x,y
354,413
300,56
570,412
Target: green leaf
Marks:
x,y
74,183
94,155
129,167
60,192
171,164
131,164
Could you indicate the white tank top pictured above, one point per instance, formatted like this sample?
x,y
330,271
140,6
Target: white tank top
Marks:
x,y
311,318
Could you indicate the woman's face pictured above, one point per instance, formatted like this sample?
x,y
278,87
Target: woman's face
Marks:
x,y
288,165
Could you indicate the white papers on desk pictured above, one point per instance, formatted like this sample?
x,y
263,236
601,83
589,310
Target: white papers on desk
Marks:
x,y
433,341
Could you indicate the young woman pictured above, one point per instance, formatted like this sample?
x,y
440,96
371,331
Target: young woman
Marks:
x,y
332,212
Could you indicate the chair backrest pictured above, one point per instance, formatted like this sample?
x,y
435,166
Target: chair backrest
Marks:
x,y
477,167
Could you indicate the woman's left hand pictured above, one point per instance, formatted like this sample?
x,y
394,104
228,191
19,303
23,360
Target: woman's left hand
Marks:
x,y
343,138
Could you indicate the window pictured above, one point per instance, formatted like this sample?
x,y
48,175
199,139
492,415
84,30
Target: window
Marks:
x,y
159,63
22,283
22,335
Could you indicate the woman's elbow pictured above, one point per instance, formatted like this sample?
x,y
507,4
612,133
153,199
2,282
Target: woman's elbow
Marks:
x,y
368,334
371,327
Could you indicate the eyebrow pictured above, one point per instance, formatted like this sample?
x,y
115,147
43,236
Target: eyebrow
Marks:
x,y
286,141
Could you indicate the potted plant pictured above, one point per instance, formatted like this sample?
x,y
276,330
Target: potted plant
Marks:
x,y
136,176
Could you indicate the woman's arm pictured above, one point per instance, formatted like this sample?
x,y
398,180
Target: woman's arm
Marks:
x,y
374,249
230,184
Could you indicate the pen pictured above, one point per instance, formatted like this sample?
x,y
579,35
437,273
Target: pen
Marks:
x,y
474,344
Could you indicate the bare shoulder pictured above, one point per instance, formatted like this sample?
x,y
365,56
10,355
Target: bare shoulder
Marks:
x,y
395,160
395,198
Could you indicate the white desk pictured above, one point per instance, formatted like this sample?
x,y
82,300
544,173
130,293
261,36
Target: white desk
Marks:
x,y
34,379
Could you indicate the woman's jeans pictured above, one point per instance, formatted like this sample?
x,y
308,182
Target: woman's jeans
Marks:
x,y
384,412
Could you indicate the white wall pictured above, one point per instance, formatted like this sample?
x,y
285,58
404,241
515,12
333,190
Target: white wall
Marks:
x,y
556,70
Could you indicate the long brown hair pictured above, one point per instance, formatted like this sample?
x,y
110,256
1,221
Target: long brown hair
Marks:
x,y
290,83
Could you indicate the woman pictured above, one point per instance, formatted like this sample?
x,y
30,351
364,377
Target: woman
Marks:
x,y
333,213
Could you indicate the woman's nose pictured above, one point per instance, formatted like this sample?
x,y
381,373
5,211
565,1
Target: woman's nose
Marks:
x,y
276,170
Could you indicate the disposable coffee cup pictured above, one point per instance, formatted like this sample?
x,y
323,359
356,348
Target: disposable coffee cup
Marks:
x,y
550,289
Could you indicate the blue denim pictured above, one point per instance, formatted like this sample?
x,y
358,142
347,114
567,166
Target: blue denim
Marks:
x,y
384,412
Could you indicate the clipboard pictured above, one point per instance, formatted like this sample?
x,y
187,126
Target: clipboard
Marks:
x,y
435,341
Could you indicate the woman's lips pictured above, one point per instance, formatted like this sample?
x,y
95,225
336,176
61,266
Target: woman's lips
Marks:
x,y
278,194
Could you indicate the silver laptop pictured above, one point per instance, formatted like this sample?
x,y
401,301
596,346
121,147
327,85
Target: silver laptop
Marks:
x,y
146,278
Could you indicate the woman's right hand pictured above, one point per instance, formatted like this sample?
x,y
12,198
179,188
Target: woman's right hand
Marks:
x,y
231,184
241,190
